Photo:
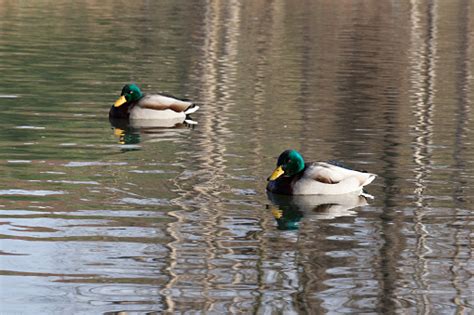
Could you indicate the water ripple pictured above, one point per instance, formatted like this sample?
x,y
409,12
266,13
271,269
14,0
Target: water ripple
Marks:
x,y
23,192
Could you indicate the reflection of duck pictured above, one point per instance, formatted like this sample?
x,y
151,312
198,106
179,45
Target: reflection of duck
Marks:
x,y
127,136
130,133
288,210
287,218
295,177
147,110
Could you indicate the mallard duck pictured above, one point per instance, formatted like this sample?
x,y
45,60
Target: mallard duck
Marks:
x,y
134,105
295,177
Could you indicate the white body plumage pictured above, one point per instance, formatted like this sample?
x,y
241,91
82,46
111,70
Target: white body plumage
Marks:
x,y
327,179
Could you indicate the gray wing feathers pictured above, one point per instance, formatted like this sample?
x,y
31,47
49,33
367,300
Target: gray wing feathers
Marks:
x,y
161,102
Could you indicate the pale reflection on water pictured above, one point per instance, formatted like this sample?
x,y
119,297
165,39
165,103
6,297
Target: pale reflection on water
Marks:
x,y
99,216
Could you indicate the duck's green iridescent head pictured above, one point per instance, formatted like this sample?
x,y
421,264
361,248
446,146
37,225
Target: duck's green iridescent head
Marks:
x,y
289,163
130,93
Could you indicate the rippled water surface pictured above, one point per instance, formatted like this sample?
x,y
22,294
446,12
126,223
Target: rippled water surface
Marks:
x,y
100,218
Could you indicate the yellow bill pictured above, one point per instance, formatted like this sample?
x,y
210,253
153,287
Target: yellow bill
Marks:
x,y
122,100
276,173
119,132
277,213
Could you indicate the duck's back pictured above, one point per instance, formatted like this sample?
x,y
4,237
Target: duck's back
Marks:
x,y
326,178
140,113
162,102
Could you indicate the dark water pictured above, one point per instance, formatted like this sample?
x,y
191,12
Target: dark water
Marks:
x,y
101,220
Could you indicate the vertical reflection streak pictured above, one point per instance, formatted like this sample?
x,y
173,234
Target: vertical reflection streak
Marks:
x,y
218,76
423,57
210,83
459,157
228,66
